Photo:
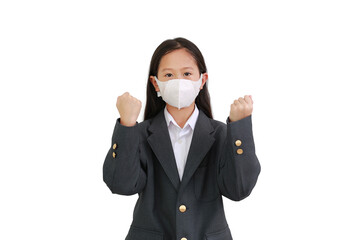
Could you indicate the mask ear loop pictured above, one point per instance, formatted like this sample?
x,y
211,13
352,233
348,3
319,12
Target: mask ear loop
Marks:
x,y
158,93
201,76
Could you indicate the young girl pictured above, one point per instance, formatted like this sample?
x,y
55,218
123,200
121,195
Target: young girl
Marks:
x,y
180,160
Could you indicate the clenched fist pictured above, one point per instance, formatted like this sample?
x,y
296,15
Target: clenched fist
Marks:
x,y
241,108
129,109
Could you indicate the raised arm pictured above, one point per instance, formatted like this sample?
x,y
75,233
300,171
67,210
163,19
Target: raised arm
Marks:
x,y
123,172
239,167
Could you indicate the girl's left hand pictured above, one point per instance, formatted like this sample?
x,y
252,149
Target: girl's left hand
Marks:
x,y
241,108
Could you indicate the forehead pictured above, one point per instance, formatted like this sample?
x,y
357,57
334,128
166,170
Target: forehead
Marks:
x,y
177,59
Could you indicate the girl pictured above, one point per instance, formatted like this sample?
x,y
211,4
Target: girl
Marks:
x,y
179,160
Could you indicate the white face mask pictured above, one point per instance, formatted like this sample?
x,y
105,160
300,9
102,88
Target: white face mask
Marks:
x,y
179,92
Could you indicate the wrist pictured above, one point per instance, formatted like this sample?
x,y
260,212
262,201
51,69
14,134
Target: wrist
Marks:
x,y
127,123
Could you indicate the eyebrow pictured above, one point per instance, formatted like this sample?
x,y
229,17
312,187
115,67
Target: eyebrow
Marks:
x,y
167,69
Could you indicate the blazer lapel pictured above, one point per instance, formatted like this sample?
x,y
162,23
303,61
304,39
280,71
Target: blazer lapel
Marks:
x,y
202,141
161,145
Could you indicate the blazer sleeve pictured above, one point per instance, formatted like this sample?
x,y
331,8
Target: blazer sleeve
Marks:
x,y
239,167
122,170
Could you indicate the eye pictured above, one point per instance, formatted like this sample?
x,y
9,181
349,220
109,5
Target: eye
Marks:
x,y
168,75
187,74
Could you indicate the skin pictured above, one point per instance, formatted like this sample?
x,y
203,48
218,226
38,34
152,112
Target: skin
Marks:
x,y
178,64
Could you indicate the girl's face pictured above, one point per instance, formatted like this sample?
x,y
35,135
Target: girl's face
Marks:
x,y
178,64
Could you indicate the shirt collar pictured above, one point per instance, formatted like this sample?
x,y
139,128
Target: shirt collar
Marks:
x,y
191,121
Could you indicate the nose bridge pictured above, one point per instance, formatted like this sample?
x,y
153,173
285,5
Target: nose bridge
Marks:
x,y
178,74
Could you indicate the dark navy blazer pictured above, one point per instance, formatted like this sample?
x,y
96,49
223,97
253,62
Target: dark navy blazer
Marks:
x,y
141,160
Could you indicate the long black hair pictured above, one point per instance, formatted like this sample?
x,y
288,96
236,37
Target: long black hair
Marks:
x,y
155,104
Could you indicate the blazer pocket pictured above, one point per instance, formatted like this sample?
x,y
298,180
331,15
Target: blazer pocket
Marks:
x,y
206,188
224,234
137,233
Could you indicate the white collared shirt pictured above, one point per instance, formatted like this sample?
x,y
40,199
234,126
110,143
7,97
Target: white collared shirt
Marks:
x,y
181,137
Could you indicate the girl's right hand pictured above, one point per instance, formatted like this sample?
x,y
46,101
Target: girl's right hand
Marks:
x,y
129,108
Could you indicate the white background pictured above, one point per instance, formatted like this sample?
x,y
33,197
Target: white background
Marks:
x,y
63,64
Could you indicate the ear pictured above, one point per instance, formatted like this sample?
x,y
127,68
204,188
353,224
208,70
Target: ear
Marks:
x,y
204,79
154,83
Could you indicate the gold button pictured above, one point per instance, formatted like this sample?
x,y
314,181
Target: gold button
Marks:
x,y
114,154
238,143
239,151
182,208
183,238
114,146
